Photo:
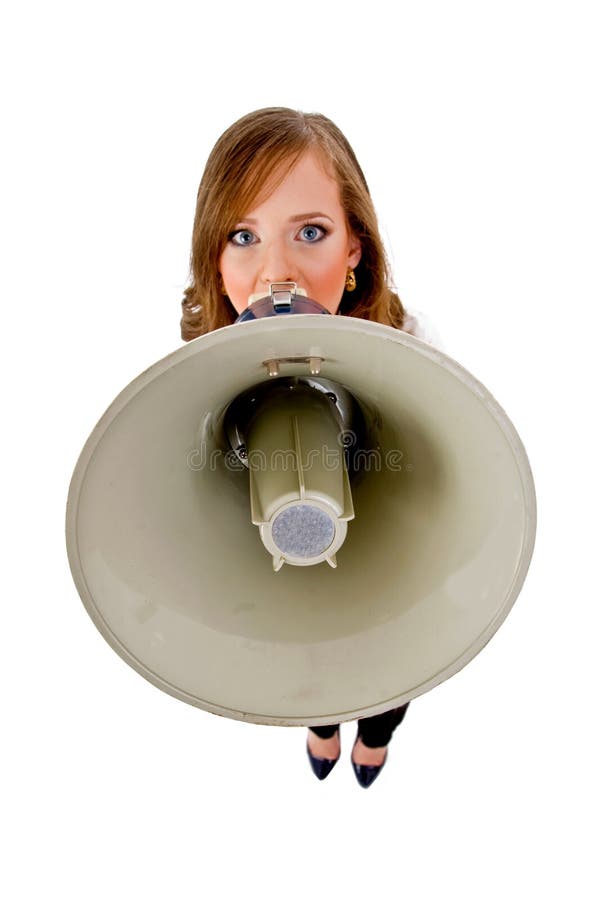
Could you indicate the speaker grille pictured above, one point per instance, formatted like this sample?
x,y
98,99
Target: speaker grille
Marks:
x,y
303,531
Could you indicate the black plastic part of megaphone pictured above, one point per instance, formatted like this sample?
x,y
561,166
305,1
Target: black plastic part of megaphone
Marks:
x,y
355,435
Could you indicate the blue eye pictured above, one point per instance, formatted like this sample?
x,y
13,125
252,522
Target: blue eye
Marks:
x,y
242,238
312,233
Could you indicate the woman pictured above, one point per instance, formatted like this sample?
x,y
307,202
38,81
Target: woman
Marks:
x,y
283,198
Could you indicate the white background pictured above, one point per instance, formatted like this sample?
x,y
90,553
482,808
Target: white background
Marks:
x,y
476,125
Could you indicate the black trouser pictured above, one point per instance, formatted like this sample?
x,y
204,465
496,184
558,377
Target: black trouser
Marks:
x,y
375,731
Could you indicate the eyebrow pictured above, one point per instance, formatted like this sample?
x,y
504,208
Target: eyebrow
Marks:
x,y
299,218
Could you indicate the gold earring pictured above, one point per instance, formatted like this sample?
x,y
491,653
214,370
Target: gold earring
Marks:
x,y
350,280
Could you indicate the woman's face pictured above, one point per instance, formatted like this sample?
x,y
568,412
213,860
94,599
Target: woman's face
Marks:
x,y
299,233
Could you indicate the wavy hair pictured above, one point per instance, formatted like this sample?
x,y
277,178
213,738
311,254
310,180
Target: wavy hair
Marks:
x,y
253,155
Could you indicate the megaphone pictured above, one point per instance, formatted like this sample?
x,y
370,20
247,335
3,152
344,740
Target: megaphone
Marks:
x,y
303,593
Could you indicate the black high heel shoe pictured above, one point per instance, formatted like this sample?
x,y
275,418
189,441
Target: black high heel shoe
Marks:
x,y
365,775
322,767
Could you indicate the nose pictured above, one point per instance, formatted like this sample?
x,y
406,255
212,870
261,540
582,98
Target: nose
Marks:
x,y
277,264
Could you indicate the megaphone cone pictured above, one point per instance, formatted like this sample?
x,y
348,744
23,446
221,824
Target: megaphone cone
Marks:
x,y
177,580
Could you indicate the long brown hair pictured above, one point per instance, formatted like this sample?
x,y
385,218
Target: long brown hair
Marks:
x,y
239,167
